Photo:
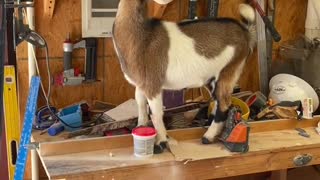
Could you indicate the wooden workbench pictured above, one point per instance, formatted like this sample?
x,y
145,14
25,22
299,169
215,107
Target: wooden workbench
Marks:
x,y
273,146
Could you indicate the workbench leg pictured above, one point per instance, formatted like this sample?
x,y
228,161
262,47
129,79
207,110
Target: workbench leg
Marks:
x,y
34,165
279,175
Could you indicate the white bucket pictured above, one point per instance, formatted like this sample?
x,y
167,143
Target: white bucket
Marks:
x,y
143,141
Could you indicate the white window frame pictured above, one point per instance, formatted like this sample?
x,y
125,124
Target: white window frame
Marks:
x,y
95,26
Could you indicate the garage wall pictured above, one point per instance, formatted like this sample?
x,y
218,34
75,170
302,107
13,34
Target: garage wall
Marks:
x,y
112,87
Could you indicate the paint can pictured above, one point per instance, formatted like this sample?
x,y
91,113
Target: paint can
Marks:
x,y
143,141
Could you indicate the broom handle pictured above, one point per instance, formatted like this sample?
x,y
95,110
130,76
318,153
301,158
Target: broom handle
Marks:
x,y
275,34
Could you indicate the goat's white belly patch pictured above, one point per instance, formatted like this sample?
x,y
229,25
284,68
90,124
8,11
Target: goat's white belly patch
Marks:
x,y
187,68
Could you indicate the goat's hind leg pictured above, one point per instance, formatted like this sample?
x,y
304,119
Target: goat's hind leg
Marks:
x,y
223,93
142,107
156,107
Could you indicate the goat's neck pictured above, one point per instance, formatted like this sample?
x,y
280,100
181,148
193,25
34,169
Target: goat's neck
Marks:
x,y
130,21
129,34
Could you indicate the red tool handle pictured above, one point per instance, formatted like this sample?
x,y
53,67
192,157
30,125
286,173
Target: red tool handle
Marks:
x,y
275,34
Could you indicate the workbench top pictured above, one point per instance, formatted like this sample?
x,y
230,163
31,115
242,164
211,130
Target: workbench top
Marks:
x,y
272,147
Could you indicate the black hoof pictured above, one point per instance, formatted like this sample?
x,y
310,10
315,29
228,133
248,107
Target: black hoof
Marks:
x,y
159,148
205,140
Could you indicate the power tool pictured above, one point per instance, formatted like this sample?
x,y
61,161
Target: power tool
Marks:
x,y
235,135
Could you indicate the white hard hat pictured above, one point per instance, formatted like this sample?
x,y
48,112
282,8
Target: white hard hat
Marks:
x,y
286,87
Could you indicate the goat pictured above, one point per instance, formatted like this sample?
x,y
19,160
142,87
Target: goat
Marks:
x,y
155,55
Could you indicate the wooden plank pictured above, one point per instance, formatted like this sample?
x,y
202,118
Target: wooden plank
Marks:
x,y
72,166
262,51
94,144
260,142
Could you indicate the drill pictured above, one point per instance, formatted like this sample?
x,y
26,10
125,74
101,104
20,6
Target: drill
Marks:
x,y
235,135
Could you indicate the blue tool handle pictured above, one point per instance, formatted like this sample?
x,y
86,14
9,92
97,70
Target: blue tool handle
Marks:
x,y
55,129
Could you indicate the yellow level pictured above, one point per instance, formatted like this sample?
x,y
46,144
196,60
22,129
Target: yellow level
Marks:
x,y
12,117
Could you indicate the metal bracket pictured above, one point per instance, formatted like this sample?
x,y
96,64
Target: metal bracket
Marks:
x,y
32,146
302,160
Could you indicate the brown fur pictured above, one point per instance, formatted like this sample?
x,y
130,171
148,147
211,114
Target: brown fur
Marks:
x,y
148,38
228,76
210,40
142,43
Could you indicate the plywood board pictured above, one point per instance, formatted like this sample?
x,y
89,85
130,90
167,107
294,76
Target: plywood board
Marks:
x,y
277,148
52,145
259,142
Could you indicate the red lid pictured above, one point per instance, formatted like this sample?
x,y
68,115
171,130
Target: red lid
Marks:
x,y
144,131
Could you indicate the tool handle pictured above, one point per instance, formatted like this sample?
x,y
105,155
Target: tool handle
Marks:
x,y
91,59
274,33
213,7
192,9
67,60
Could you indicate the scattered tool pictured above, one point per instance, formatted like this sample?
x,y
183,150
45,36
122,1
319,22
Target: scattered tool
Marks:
x,y
43,118
11,117
27,128
72,76
302,132
235,136
55,129
282,110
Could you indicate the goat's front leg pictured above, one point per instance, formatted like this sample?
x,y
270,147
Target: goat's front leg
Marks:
x,y
218,119
156,107
142,107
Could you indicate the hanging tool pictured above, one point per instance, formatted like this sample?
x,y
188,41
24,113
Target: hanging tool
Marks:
x,y
90,46
235,136
276,36
213,7
302,132
11,116
67,53
27,128
192,12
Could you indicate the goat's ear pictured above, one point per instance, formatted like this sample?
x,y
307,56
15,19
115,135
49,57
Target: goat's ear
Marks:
x,y
163,1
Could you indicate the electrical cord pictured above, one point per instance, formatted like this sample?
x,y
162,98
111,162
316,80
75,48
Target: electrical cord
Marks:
x,y
48,94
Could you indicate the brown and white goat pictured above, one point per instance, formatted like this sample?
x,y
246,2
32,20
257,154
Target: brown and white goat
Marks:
x,y
156,55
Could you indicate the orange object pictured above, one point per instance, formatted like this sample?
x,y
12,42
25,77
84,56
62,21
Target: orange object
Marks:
x,y
238,134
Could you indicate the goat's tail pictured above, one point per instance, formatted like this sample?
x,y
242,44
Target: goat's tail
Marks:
x,y
248,13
